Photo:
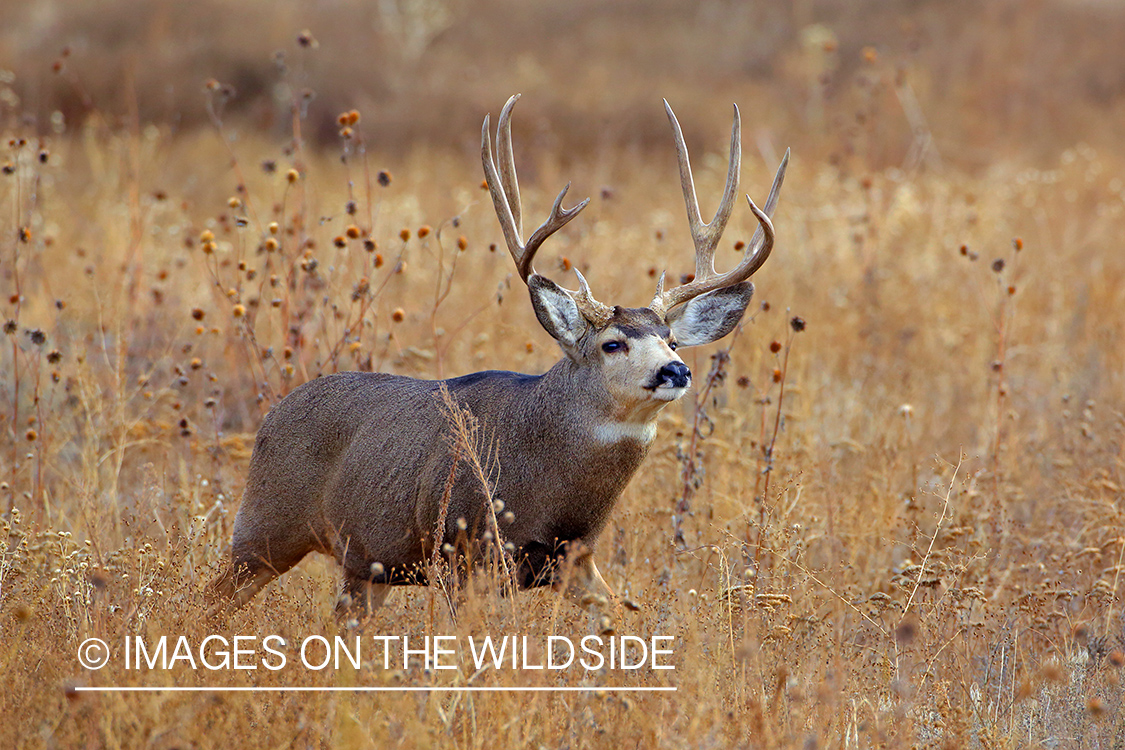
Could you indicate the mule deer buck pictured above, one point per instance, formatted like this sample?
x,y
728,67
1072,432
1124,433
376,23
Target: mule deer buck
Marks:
x,y
356,465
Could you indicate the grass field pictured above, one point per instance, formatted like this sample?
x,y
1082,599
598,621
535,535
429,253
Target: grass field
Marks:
x,y
905,522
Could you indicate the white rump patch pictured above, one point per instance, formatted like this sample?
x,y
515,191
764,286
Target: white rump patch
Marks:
x,y
611,433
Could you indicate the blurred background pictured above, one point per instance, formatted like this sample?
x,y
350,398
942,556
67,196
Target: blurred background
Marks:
x,y
969,81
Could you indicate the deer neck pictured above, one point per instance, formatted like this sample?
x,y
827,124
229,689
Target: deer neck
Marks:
x,y
591,410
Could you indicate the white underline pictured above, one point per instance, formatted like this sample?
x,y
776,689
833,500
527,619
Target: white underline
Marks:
x,y
363,689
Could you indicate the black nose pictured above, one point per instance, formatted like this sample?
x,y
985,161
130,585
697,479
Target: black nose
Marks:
x,y
676,373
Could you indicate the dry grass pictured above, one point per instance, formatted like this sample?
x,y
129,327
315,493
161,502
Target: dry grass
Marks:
x,y
920,543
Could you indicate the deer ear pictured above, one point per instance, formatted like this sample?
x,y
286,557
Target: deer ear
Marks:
x,y
709,316
556,311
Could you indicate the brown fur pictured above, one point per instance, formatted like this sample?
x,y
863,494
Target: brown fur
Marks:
x,y
355,465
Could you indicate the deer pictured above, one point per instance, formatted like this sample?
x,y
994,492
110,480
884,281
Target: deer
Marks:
x,y
355,465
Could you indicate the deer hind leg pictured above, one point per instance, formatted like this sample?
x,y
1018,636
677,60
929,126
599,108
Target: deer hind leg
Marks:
x,y
249,572
360,597
237,585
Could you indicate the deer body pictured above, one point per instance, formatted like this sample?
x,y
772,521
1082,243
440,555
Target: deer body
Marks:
x,y
367,485
359,465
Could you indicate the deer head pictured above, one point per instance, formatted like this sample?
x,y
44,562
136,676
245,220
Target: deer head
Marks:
x,y
634,349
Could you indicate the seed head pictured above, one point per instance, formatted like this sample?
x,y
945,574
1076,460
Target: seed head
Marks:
x,y
398,315
797,324
404,234
998,265
341,241
292,176
31,435
383,178
775,346
239,310
462,243
353,232
424,231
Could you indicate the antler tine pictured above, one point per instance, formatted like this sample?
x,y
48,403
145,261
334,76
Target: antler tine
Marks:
x,y
504,188
508,161
556,221
706,236
500,200
756,241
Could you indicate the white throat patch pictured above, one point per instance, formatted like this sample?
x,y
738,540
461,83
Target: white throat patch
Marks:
x,y
611,433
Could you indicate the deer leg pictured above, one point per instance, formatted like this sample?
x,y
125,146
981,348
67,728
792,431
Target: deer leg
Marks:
x,y
237,585
252,567
580,581
360,597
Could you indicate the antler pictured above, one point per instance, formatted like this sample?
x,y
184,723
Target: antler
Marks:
x,y
505,191
706,236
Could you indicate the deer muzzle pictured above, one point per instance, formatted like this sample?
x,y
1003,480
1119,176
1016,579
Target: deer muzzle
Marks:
x,y
673,375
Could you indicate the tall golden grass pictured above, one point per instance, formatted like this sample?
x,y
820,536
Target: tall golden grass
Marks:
x,y
904,521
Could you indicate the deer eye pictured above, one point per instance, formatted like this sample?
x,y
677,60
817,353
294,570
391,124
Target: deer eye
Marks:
x,y
673,345
610,347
